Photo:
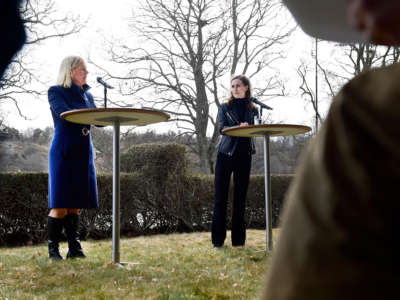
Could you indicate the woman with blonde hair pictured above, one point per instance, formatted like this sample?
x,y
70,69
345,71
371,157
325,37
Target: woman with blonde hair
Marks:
x,y
72,174
234,156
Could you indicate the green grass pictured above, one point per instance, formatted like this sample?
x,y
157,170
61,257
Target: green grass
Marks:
x,y
175,266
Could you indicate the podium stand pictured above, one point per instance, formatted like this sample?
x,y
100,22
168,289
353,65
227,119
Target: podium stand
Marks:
x,y
266,131
116,117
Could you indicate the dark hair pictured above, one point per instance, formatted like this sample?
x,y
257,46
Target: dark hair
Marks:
x,y
249,92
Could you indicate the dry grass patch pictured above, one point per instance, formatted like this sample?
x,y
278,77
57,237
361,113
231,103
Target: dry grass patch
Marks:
x,y
175,266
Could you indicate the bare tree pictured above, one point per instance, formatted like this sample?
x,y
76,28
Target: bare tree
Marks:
x,y
310,92
364,56
351,60
189,48
42,21
311,81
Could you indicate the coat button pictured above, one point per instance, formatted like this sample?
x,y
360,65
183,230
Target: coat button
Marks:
x,y
85,131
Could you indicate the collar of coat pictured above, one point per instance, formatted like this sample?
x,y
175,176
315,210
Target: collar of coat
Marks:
x,y
79,89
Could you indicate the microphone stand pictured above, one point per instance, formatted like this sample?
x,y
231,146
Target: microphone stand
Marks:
x,y
260,115
105,97
100,80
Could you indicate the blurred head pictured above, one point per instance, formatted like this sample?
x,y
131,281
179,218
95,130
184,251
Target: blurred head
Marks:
x,y
377,19
72,70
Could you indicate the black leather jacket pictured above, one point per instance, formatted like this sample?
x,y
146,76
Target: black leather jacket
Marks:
x,y
227,118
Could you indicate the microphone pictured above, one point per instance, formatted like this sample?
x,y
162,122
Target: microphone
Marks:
x,y
102,82
256,101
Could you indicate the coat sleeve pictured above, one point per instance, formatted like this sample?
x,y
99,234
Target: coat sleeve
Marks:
x,y
93,105
58,102
223,121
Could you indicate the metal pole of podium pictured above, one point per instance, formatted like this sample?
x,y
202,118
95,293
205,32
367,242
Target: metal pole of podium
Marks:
x,y
267,181
116,195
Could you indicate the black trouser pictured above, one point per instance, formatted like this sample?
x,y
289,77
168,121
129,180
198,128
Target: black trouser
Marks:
x,y
239,164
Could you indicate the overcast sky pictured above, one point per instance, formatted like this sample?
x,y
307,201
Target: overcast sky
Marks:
x,y
109,19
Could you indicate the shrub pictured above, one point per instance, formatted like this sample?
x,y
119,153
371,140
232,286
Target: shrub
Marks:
x,y
157,196
156,160
23,208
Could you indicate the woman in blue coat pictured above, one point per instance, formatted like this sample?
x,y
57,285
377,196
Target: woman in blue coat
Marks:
x,y
72,174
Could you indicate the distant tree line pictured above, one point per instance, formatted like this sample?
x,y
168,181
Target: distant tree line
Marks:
x,y
284,151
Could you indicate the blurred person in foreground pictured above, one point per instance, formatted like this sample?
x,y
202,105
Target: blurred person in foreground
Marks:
x,y
72,174
13,36
234,157
340,233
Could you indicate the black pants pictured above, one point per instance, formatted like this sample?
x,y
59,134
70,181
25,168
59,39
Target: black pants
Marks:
x,y
239,164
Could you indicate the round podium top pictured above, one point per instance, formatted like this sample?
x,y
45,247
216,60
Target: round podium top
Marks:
x,y
266,129
108,116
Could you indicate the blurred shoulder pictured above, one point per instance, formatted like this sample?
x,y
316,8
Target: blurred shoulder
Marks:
x,y
55,89
58,92
377,87
224,106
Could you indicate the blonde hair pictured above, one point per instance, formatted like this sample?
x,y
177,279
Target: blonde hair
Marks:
x,y
67,66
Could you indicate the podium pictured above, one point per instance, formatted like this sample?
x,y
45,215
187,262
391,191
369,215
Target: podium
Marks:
x,y
266,131
116,117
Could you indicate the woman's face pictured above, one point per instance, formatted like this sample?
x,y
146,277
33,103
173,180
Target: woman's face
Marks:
x,y
78,75
238,89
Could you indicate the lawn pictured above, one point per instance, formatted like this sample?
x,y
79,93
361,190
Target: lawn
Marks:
x,y
175,266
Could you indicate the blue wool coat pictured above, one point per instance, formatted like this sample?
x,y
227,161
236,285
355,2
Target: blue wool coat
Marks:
x,y
72,174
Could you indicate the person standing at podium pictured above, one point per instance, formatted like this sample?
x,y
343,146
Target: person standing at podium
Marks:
x,y
234,156
72,174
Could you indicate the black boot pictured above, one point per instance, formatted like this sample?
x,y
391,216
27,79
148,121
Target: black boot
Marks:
x,y
55,227
71,228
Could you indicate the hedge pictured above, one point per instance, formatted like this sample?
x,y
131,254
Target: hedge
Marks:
x,y
157,196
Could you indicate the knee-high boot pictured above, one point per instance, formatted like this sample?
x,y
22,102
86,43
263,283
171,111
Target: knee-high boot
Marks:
x,y
71,225
55,227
